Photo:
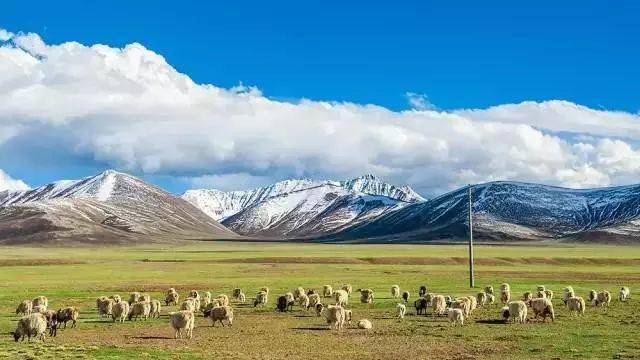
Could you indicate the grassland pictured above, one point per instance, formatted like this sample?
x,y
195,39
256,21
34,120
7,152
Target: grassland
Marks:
x,y
76,276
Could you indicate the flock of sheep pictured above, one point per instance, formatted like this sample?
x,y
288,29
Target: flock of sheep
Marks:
x,y
37,318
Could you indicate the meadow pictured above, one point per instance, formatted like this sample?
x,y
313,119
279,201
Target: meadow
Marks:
x,y
76,276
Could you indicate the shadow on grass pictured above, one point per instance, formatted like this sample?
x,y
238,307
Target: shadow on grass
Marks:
x,y
491,322
311,328
152,337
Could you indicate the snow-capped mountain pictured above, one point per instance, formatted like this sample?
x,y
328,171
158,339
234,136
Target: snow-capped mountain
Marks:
x,y
513,211
301,208
111,206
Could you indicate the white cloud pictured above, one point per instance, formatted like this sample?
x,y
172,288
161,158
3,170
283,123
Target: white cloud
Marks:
x,y
419,102
129,109
8,183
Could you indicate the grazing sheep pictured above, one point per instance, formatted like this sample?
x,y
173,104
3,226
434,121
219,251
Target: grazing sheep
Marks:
x,y
541,288
156,307
481,298
395,291
206,298
527,297
327,291
182,320
549,294
241,298
104,306
542,307
488,289
505,296
518,311
504,313
194,294
145,298
541,295
342,297
41,300
188,304
319,308
448,299
422,291
348,316
567,293
348,288
592,295
576,304
197,304
24,308
291,300
311,292
265,289
402,309
429,298
456,316
405,297
116,298
624,293
313,300
491,299
39,309
223,299
52,322
473,303
261,298
33,325
141,308
206,310
421,306
462,304
603,298
120,311
221,313
134,297
68,314
172,298
236,293
366,296
438,305
282,303
297,292
364,324
335,316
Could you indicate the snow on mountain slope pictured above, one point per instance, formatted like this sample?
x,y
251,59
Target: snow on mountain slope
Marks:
x,y
109,205
511,210
372,185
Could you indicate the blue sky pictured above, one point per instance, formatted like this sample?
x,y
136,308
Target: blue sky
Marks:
x,y
464,55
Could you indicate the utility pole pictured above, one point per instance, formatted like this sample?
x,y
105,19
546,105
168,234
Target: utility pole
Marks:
x,y
471,275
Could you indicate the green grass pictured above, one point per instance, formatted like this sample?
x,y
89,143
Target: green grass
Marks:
x,y
262,333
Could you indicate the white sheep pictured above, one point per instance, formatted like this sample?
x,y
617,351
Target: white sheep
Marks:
x,y
473,303
134,297
335,316
592,295
120,311
438,305
265,289
395,291
401,309
541,288
548,294
33,325
194,294
313,300
366,296
576,304
41,300
327,291
567,293
188,304
182,320
297,292
116,298
303,301
172,298
141,308
542,307
104,306
39,309
624,293
342,297
491,299
223,299
220,313
25,307
603,298
145,298
518,311
348,288
481,298
261,298
236,293
456,316
364,324
488,289
156,307
505,293
206,298
241,298
463,304
348,316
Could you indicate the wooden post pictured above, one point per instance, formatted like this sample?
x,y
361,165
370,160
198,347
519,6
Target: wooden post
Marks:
x,y
471,274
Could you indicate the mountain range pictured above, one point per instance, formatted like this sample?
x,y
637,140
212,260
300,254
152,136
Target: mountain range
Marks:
x,y
117,208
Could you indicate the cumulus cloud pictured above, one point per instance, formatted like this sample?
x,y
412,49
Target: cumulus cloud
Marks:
x,y
8,183
419,101
129,109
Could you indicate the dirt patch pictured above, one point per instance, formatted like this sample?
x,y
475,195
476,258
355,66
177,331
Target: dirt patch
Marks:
x,y
38,262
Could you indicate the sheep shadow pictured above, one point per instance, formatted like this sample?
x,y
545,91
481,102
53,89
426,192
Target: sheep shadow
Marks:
x,y
98,321
315,328
152,337
491,322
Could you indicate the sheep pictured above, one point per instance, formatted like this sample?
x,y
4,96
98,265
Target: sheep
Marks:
x,y
141,308
541,288
518,311
348,316
120,311
401,309
505,293
116,298
395,291
172,298
223,299
364,324
335,316
236,293
456,316
473,303
282,303
40,300
311,292
421,306
429,297
366,296
291,300
422,291
24,308
194,294
52,322
592,295
541,295
348,288
491,299
261,298
448,299
182,320
549,294
576,304
33,325
156,307
134,297
463,304
542,307
104,306
488,289
206,298
221,313
197,304
405,297
68,314
319,308
603,298
145,298
567,293
313,300
327,291
481,298
342,297
527,297
264,289
39,309
297,292
624,293
188,304
504,313
241,298
438,305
